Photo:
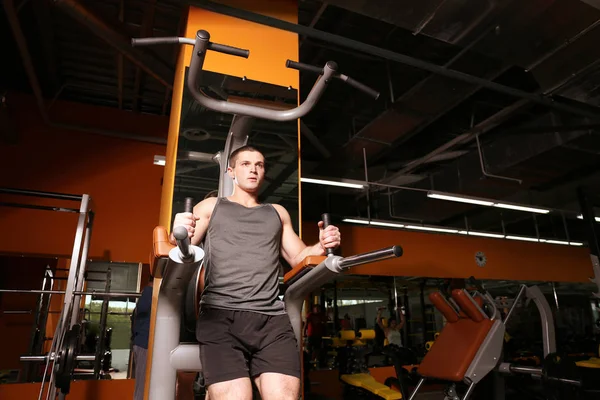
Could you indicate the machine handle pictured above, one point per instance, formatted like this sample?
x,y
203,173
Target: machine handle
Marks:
x,y
303,67
360,86
319,71
181,234
221,48
372,256
326,218
151,41
233,51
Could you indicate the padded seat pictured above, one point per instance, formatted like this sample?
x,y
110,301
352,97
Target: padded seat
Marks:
x,y
368,382
460,339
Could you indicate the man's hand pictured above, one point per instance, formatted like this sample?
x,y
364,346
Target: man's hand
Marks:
x,y
187,220
329,237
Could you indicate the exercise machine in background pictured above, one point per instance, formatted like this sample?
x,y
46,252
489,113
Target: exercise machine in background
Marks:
x,y
470,348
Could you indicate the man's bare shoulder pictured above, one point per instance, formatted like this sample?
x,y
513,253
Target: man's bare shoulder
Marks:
x,y
205,207
283,213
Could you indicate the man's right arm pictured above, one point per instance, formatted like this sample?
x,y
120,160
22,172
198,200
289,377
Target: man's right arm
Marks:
x,y
196,222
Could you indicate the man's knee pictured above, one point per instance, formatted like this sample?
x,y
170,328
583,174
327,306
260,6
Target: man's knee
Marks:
x,y
240,388
275,386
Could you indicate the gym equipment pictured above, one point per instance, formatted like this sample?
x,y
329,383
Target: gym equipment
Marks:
x,y
245,114
470,345
70,314
175,264
179,264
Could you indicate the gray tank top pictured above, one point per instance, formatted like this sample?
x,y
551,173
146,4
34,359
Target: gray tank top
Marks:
x,y
242,248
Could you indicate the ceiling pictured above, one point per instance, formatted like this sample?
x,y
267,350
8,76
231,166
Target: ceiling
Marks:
x,y
495,99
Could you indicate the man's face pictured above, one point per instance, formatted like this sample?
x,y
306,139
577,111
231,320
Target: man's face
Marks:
x,y
249,170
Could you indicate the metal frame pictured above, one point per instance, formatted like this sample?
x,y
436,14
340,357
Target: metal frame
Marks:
x,y
170,356
72,294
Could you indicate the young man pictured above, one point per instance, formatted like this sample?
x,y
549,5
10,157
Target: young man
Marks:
x,y
243,328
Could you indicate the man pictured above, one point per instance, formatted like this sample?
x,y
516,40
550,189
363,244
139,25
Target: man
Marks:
x,y
243,328
314,329
140,329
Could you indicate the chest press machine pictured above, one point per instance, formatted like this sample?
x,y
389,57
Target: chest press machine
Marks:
x,y
470,346
179,265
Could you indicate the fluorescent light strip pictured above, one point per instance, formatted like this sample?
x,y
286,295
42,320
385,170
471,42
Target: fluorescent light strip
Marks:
x,y
483,202
462,232
522,208
431,228
552,241
523,238
460,199
484,234
581,217
332,183
376,223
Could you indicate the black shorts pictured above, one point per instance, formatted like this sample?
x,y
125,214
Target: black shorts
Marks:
x,y
239,344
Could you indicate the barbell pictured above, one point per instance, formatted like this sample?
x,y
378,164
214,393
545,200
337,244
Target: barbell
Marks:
x,y
64,360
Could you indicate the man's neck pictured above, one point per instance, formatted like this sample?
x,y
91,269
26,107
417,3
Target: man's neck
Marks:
x,y
244,198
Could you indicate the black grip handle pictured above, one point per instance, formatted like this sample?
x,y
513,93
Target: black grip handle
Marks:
x,y
303,67
154,40
360,86
234,51
326,218
188,206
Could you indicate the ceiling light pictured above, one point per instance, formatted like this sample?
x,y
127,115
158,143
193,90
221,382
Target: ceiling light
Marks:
x,y
389,224
524,238
596,218
356,221
554,241
460,199
365,221
376,223
484,234
431,228
522,208
332,183
160,160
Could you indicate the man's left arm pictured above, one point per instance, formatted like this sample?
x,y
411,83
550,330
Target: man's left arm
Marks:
x,y
294,250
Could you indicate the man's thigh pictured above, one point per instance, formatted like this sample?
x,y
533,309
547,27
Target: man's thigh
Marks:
x,y
277,349
222,355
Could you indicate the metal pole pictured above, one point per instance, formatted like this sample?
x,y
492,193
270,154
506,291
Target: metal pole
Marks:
x,y
73,268
82,269
386,54
48,195
34,207
102,333
92,293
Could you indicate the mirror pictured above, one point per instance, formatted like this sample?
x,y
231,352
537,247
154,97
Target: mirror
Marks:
x,y
203,134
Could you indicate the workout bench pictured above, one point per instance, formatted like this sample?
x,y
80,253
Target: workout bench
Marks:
x,y
470,344
175,266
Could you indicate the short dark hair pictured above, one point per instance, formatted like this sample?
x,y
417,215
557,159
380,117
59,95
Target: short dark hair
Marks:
x,y
236,152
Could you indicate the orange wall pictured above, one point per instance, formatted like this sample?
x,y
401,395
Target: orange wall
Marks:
x,y
269,47
453,256
80,390
118,174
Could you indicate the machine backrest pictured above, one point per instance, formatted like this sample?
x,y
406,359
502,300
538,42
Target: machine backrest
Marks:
x,y
460,339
